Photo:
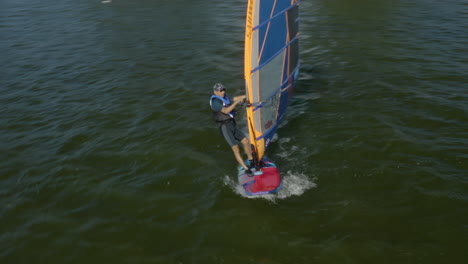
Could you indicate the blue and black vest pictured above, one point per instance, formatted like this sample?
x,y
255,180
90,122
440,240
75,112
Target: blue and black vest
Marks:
x,y
218,116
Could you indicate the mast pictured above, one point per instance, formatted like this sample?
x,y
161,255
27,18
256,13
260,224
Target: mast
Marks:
x,y
248,58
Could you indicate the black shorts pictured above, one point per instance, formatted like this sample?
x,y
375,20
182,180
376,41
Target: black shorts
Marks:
x,y
231,133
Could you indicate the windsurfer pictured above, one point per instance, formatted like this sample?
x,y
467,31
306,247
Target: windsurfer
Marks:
x,y
223,114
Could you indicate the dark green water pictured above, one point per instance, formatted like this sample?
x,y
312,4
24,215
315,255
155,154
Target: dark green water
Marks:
x,y
109,154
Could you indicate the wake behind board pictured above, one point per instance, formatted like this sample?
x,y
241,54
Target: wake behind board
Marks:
x,y
264,181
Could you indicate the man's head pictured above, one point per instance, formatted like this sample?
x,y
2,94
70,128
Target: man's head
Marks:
x,y
219,89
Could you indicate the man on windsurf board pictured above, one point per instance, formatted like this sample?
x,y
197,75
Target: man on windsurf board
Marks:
x,y
223,114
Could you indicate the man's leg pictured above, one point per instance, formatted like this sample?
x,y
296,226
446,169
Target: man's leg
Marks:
x,y
237,154
247,148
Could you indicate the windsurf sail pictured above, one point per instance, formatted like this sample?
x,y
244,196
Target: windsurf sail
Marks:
x,y
271,66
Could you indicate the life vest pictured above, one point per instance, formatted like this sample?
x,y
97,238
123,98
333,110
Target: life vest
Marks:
x,y
219,116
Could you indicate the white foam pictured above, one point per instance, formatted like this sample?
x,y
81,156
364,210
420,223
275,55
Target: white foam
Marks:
x,y
293,184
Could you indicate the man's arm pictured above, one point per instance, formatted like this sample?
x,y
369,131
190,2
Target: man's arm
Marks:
x,y
239,98
217,105
228,109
